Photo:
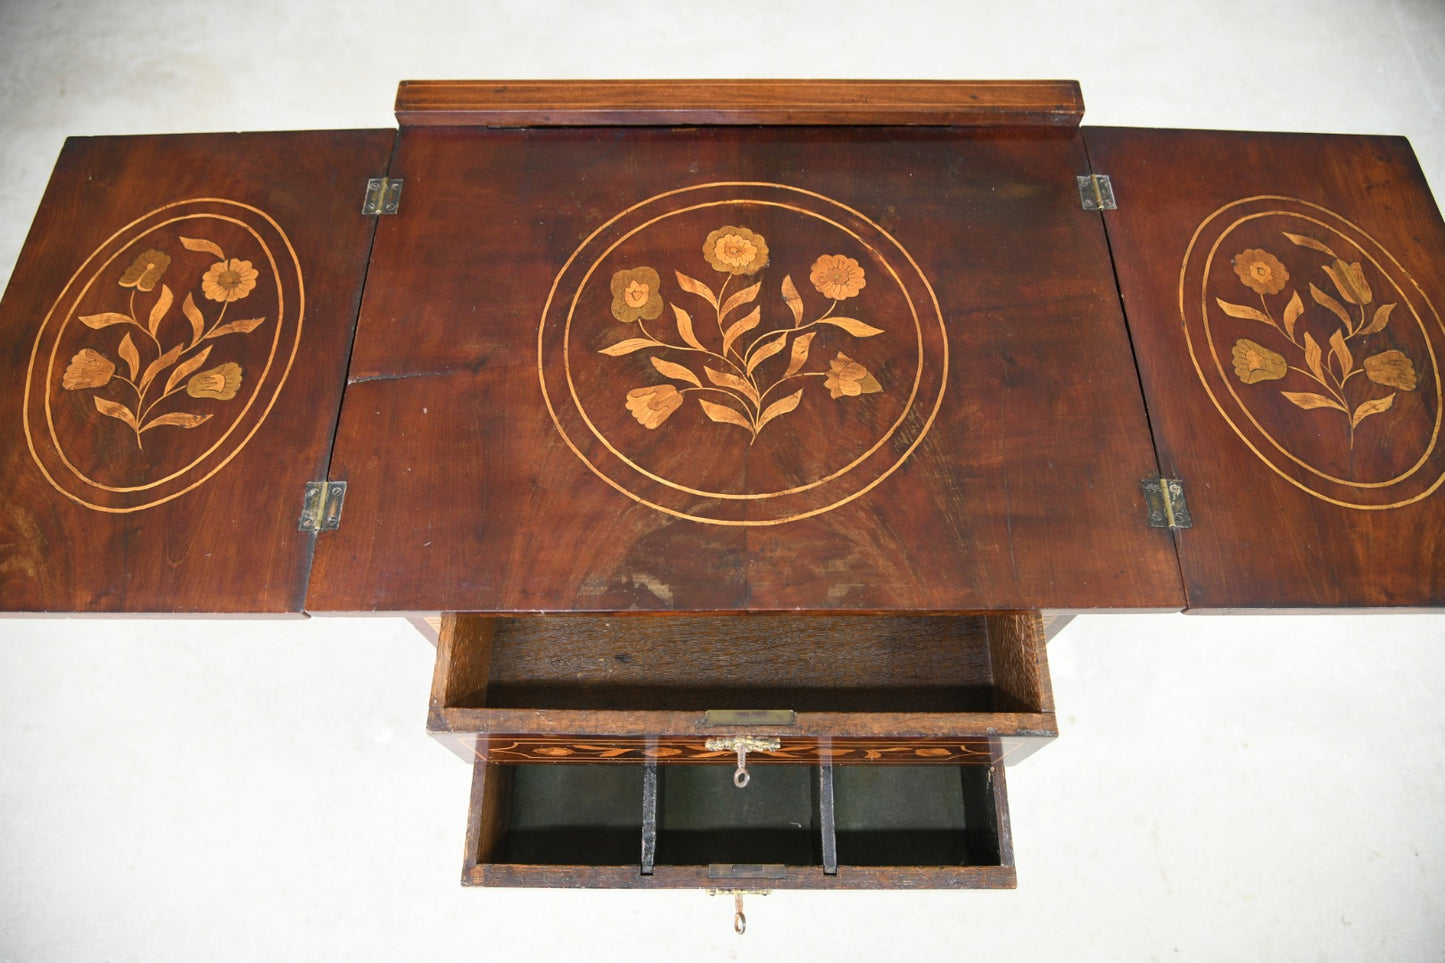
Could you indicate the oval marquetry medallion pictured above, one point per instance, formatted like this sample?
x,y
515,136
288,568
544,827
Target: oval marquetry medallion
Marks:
x,y
1319,349
742,353
163,354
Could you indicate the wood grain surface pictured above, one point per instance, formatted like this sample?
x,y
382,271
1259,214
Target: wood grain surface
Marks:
x,y
984,451
175,337
1284,294
573,103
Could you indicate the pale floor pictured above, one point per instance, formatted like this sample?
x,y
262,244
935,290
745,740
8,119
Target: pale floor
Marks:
x,y
1223,788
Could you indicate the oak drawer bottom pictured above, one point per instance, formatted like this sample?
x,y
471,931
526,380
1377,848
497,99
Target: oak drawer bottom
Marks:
x,y
642,825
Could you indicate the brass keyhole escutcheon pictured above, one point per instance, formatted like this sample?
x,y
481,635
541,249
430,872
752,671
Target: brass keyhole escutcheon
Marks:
x,y
742,745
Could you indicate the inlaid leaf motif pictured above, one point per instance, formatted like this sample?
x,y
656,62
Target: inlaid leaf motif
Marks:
x,y
1336,307
193,315
1341,353
176,419
104,320
203,246
113,409
1372,407
769,349
628,346
1308,399
684,326
742,327
1314,357
693,286
780,407
669,369
799,356
1292,312
853,326
237,327
1310,243
725,380
724,414
793,299
739,298
162,305
1380,320
187,368
1242,311
129,355
159,365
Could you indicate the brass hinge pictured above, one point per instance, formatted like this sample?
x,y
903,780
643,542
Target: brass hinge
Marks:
x,y
383,196
1096,193
321,506
1167,507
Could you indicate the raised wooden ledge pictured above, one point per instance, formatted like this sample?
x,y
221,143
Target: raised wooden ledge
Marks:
x,y
667,103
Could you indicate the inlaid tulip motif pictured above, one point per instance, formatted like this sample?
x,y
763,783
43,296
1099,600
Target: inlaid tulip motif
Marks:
x,y
728,372
1315,348
162,358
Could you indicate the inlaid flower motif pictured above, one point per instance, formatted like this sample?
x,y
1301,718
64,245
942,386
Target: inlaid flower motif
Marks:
x,y
1391,368
1253,362
145,270
558,751
1350,280
229,280
1260,271
837,277
736,250
848,377
221,382
88,369
653,405
636,294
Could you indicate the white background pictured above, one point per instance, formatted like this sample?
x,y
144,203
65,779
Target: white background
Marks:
x,y
1242,788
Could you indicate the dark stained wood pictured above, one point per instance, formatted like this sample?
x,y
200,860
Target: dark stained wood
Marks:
x,y
575,103
219,534
1018,489
1271,529
1019,662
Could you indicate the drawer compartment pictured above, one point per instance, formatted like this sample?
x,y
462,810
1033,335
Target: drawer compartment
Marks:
x,y
898,689
810,827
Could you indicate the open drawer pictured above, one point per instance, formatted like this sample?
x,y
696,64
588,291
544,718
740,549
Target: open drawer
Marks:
x,y
863,689
804,827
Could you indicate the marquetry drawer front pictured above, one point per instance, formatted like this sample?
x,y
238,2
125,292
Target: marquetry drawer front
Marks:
x,y
792,827
714,749
840,689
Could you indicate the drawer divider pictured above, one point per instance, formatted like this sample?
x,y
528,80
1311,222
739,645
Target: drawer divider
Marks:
x,y
826,823
649,815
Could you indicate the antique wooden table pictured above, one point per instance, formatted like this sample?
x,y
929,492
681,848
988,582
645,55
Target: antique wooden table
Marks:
x,y
730,423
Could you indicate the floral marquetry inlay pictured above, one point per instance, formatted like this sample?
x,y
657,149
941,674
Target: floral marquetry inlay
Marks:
x,y
1319,349
742,354
163,354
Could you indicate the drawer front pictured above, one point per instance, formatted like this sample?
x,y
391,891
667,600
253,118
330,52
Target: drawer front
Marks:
x,y
582,749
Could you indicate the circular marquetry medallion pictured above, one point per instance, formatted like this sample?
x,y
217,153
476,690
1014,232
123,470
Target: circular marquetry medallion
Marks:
x,y
163,354
742,353
1319,350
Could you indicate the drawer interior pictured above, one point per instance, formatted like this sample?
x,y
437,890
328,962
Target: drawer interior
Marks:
x,y
656,675
642,825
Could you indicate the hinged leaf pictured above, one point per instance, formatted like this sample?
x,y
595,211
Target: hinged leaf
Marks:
x,y
321,506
